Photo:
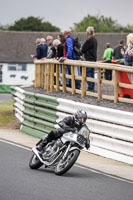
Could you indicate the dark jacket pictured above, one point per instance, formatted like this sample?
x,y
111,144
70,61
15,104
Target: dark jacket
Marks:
x,y
89,49
69,122
117,52
41,51
57,53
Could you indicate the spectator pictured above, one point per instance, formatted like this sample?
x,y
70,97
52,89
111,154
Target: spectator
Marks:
x,y
69,45
41,50
128,55
49,40
43,41
61,52
58,49
62,39
117,50
107,56
89,50
69,53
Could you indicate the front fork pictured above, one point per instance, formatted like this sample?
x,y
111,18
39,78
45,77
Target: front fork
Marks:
x,y
65,154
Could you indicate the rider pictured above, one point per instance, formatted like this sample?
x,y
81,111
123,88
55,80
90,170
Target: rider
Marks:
x,y
70,123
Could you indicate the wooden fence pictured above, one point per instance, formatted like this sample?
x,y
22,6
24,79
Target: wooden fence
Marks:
x,y
47,77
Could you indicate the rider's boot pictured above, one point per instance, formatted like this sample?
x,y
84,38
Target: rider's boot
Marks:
x,y
42,144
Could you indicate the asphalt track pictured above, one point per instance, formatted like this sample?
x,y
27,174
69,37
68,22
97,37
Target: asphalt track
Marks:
x,y
5,97
19,182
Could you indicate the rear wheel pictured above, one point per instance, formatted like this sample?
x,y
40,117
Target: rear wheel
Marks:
x,y
35,162
65,164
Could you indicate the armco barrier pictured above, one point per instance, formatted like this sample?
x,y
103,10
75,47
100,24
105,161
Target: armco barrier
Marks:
x,y
111,130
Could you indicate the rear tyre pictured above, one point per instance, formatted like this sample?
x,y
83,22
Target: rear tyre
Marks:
x,y
64,165
35,162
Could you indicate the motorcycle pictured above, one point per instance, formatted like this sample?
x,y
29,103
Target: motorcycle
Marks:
x,y
62,153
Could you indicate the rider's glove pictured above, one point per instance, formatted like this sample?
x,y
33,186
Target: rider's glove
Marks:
x,y
87,145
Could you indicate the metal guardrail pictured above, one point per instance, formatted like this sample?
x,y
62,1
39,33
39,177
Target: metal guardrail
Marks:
x,y
111,130
47,77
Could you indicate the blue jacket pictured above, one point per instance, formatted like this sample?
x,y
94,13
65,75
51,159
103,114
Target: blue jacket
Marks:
x,y
69,48
41,51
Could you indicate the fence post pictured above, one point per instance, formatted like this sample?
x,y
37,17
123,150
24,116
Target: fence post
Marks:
x,y
99,84
57,77
44,69
41,75
83,84
73,79
48,77
63,78
37,75
116,86
52,77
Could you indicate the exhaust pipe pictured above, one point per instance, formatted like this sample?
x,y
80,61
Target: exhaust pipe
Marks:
x,y
41,160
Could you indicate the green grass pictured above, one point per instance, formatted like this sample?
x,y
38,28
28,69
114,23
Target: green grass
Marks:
x,y
6,113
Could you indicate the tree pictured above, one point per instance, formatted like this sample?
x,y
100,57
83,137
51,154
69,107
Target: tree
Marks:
x,y
4,27
101,24
33,24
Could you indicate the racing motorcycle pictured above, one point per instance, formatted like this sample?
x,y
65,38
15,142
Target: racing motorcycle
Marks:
x,y
61,154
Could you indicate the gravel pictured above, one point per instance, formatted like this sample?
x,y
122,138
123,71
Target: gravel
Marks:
x,y
106,89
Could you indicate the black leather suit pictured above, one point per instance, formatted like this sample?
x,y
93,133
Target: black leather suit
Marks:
x,y
67,124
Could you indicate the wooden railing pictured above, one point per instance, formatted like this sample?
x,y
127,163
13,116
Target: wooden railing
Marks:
x,y
47,77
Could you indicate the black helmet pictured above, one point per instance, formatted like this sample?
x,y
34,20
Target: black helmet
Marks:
x,y
80,117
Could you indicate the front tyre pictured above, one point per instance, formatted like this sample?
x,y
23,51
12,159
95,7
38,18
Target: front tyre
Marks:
x,y
35,162
65,164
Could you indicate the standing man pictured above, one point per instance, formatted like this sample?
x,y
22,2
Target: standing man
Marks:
x,y
69,44
41,50
117,50
50,53
89,50
107,56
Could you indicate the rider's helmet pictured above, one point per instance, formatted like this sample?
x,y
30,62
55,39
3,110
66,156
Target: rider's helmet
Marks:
x,y
80,117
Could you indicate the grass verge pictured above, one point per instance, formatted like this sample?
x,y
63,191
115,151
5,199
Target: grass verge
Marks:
x,y
6,113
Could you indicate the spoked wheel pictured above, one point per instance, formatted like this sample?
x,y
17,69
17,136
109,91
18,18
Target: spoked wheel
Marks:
x,y
65,164
35,162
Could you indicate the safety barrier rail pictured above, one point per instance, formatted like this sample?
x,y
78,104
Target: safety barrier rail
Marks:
x,y
47,77
111,130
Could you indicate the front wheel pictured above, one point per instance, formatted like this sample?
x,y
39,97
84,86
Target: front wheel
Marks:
x,y
35,162
65,164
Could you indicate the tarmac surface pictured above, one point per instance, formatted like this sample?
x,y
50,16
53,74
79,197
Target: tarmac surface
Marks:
x,y
87,159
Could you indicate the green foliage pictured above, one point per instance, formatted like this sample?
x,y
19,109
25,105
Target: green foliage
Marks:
x,y
33,24
5,27
101,24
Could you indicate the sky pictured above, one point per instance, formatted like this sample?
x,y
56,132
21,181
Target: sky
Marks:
x,y
64,13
